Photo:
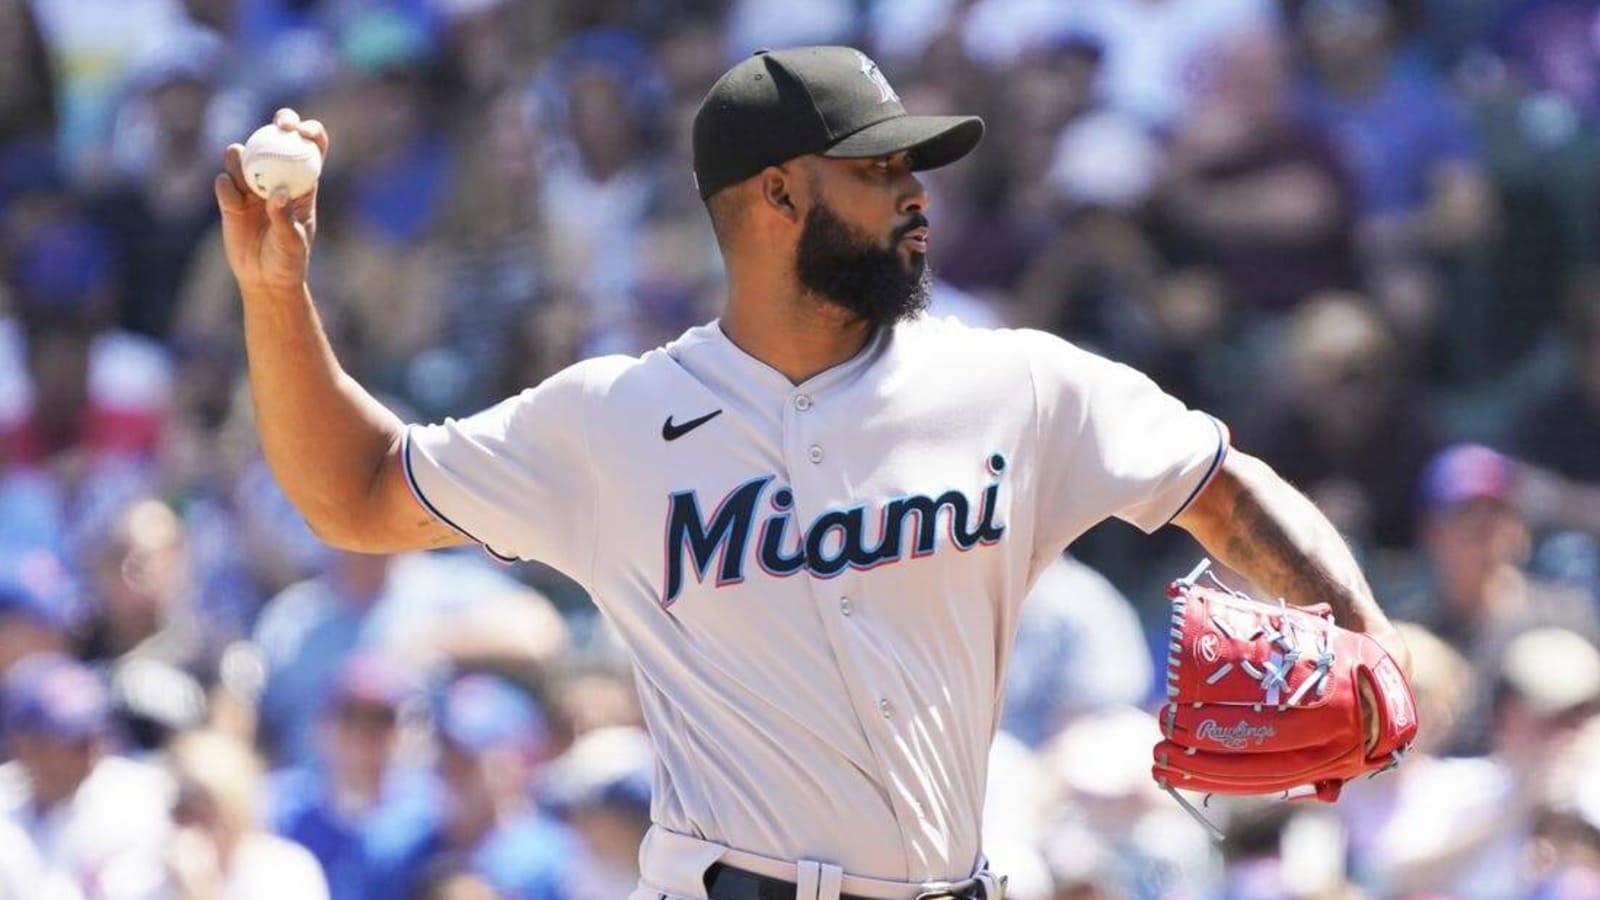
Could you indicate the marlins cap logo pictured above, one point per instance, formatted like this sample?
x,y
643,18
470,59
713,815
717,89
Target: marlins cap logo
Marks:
x,y
870,69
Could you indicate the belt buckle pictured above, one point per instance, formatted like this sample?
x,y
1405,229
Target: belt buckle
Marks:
x,y
985,887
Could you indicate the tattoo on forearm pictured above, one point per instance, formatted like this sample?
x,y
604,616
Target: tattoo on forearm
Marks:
x,y
1300,568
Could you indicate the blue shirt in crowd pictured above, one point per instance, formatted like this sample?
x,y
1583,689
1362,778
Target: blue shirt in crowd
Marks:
x,y
525,859
363,858
1395,138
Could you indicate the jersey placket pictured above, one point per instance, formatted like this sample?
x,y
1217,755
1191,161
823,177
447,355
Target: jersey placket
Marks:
x,y
811,420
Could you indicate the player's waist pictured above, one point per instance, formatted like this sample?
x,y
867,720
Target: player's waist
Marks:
x,y
681,865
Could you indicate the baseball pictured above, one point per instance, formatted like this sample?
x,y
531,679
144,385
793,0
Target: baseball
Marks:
x,y
275,158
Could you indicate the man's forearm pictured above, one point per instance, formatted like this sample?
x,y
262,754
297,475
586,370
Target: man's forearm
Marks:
x,y
323,435
1260,526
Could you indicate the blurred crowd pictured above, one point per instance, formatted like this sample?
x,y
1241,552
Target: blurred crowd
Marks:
x,y
1366,233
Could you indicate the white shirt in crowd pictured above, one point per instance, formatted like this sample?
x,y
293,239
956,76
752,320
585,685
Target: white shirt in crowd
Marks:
x,y
106,843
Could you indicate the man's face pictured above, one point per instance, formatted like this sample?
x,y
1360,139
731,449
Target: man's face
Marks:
x,y
1469,542
366,736
55,767
863,244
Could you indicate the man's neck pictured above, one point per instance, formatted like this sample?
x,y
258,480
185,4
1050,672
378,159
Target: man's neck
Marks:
x,y
356,793
801,336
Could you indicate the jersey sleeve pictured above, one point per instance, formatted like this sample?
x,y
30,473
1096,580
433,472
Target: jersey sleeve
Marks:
x,y
1113,444
513,477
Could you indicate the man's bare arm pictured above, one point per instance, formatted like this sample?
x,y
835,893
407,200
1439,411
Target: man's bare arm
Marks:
x,y
334,449
1259,525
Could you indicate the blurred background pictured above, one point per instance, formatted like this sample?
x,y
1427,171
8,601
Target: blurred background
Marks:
x,y
1366,233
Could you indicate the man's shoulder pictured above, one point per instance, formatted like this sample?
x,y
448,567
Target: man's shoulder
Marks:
x,y
117,780
960,349
613,381
598,376
949,334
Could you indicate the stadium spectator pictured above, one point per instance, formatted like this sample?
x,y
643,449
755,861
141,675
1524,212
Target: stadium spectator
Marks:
x,y
490,268
96,822
601,788
1409,141
27,100
375,262
1423,190
94,45
39,607
1480,814
1080,647
425,608
492,739
156,198
1455,796
1112,828
361,808
170,664
218,850
1102,156
1561,429
1344,421
602,92
1481,597
89,392
1249,190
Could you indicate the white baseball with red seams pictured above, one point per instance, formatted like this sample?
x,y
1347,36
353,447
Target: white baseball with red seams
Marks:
x,y
275,158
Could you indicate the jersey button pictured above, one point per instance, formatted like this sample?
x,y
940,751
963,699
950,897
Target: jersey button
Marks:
x,y
886,709
815,453
844,606
802,402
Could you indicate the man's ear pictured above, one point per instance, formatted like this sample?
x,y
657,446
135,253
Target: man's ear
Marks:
x,y
779,187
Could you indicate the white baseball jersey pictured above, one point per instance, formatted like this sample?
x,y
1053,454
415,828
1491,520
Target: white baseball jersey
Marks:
x,y
819,583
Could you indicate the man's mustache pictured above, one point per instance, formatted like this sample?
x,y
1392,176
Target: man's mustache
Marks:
x,y
918,220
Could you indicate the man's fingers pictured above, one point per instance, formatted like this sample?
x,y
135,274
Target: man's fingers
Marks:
x,y
281,216
304,211
229,200
312,130
286,118
233,162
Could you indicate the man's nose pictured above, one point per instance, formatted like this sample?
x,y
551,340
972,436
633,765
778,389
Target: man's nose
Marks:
x,y
914,197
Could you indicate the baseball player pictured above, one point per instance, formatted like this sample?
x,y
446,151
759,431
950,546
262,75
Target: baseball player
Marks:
x,y
813,520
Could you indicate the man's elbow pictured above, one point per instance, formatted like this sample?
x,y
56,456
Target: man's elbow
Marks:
x,y
346,528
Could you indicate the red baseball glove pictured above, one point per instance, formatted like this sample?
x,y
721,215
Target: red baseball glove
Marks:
x,y
1267,698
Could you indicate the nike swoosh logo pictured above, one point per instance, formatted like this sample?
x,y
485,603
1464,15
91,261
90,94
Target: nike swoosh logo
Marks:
x,y
671,432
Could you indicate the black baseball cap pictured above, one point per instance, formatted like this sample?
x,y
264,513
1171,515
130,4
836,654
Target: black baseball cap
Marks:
x,y
780,104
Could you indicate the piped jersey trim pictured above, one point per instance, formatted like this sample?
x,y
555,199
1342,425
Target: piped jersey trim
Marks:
x,y
425,503
1224,441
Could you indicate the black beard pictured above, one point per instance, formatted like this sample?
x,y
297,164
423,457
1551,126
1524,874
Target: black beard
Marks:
x,y
836,261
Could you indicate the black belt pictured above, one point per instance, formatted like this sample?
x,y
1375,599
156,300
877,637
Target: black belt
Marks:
x,y
727,883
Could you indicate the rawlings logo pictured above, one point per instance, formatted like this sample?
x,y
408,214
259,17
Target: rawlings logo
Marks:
x,y
1235,736
1207,647
1394,691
